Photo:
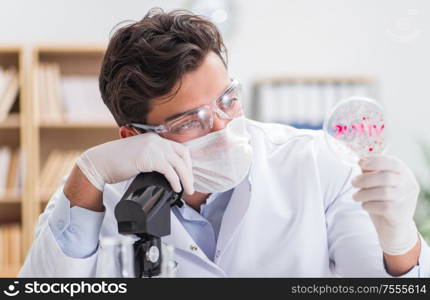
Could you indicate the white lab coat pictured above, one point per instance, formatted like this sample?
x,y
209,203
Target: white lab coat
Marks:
x,y
296,219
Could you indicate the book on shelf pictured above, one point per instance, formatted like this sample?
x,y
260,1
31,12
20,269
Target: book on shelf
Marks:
x,y
9,85
58,164
69,98
50,102
11,172
10,244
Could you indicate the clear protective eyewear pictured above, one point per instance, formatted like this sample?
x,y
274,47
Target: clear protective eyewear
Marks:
x,y
199,121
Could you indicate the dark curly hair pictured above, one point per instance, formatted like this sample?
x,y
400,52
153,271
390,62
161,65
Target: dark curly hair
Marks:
x,y
144,60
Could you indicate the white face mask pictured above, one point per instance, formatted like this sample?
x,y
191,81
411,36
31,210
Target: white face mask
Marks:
x,y
221,159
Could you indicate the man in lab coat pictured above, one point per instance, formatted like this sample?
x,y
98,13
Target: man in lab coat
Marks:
x,y
259,199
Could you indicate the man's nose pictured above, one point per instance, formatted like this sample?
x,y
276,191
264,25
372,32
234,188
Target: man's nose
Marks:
x,y
219,123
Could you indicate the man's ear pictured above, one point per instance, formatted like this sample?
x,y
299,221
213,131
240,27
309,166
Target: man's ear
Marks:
x,y
126,131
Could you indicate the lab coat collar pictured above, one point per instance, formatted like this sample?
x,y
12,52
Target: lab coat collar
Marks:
x,y
181,239
235,211
232,219
233,216
236,208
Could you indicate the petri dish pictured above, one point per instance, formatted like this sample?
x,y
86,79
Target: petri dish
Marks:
x,y
356,127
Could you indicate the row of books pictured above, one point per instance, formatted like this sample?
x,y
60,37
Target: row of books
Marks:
x,y
11,172
9,85
303,104
69,98
10,244
58,164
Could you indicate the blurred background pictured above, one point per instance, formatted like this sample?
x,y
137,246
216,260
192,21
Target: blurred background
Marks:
x,y
295,59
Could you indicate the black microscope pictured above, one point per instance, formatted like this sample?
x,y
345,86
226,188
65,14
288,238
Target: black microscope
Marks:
x,y
144,210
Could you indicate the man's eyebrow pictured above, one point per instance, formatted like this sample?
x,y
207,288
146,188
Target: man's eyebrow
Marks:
x,y
179,114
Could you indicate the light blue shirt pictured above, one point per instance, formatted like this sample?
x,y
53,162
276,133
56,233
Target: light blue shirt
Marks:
x,y
204,226
77,229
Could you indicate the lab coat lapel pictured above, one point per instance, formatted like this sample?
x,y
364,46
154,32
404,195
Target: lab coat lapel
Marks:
x,y
233,215
181,239
237,207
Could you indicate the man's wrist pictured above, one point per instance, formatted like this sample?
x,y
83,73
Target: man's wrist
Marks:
x,y
397,265
397,240
81,192
87,168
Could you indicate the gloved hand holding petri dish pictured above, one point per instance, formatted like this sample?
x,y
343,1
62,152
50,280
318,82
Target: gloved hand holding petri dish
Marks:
x,y
356,127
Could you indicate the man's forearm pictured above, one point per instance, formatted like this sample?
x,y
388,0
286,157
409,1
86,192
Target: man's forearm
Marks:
x,y
398,265
81,192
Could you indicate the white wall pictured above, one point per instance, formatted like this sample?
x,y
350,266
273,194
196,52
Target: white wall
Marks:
x,y
347,37
387,39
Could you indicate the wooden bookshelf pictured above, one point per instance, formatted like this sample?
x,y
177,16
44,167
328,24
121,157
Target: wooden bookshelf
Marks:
x,y
11,136
48,136
12,122
71,126
36,137
9,270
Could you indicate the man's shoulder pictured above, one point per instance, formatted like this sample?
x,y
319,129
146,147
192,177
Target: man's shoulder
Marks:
x,y
278,135
305,145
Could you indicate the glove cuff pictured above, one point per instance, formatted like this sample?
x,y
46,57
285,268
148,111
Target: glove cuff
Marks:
x,y
87,168
400,239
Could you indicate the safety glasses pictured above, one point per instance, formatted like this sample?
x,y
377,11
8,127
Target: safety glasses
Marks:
x,y
199,121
